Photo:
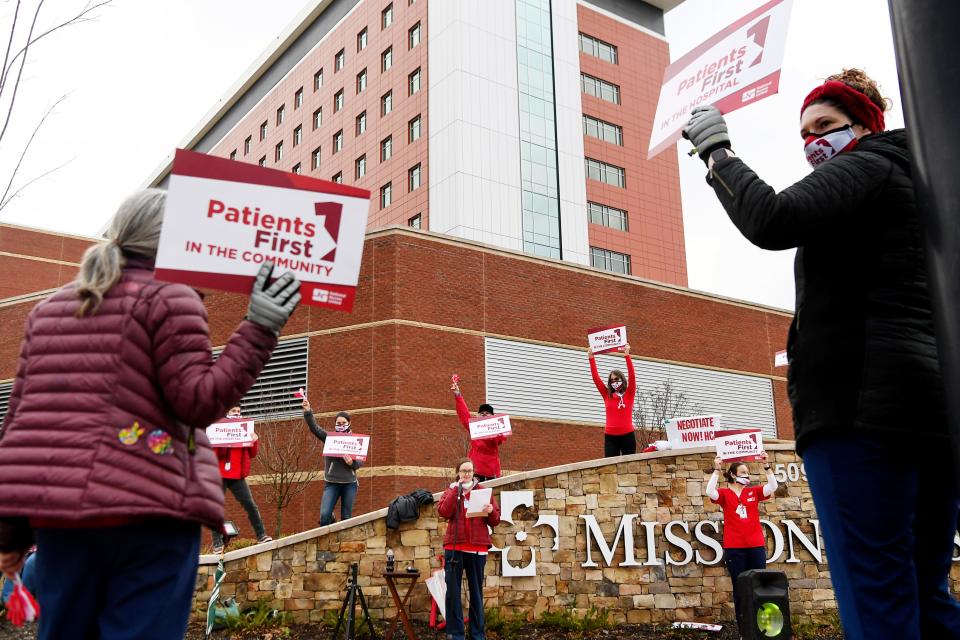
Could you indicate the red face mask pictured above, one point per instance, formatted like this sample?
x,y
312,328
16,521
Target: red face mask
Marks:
x,y
825,146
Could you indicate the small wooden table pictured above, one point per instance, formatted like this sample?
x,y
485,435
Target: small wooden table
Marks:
x,y
412,576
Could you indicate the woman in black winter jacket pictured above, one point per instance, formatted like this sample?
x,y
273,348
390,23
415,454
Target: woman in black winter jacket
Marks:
x,y
864,379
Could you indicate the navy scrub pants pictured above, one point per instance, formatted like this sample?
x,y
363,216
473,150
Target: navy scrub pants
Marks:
x,y
888,520
132,582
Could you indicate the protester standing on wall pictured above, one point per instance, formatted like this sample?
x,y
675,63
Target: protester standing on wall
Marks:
x,y
103,454
466,544
485,453
339,473
618,394
864,372
234,468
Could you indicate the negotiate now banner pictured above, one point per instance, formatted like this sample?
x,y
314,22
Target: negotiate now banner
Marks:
x,y
223,219
733,68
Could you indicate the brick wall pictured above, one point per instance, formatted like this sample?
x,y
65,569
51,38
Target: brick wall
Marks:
x,y
425,304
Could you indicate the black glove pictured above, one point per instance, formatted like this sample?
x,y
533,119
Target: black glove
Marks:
x,y
707,130
271,307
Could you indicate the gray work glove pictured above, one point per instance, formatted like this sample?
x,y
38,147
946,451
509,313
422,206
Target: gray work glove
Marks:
x,y
271,307
707,130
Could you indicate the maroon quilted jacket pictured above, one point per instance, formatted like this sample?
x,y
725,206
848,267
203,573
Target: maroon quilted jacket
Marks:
x,y
102,406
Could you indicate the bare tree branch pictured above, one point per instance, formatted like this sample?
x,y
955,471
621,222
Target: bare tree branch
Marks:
x,y
656,405
6,56
23,61
7,197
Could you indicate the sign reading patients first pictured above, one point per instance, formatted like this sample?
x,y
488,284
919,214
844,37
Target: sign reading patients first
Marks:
x,y
732,69
224,219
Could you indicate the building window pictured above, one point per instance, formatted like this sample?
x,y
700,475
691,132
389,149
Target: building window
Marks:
x,y
386,195
338,141
298,98
278,152
362,40
338,60
598,48
386,148
361,123
609,260
611,174
262,161
386,16
600,88
416,222
413,36
386,103
386,59
233,154
338,101
338,178
413,129
280,113
317,118
296,169
413,178
361,81
318,79
247,144
414,81
360,167
607,216
315,159
298,135
263,131
602,130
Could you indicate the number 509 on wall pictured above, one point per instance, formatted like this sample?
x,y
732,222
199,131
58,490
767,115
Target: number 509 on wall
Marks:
x,y
791,471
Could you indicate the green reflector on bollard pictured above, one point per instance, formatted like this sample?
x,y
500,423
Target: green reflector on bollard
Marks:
x,y
770,619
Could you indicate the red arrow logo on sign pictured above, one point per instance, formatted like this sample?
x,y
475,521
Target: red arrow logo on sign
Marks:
x,y
331,212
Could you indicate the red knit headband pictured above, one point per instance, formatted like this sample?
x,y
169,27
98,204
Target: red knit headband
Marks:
x,y
857,105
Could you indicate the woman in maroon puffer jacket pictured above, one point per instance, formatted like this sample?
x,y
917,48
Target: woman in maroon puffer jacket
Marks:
x,y
102,452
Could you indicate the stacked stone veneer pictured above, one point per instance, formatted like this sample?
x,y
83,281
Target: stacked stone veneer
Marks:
x,y
306,573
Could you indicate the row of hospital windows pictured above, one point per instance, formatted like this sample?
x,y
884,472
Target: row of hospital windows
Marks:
x,y
414,131
386,101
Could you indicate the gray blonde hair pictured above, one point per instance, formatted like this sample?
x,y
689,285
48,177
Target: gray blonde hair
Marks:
x,y
135,228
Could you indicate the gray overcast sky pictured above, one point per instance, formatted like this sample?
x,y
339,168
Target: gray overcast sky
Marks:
x,y
142,75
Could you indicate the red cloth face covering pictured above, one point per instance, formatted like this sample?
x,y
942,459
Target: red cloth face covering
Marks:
x,y
825,146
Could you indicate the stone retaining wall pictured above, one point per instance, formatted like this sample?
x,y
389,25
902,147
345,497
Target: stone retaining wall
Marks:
x,y
670,572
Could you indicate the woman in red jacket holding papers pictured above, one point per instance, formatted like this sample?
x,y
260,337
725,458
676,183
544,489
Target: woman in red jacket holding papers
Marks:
x,y
234,468
485,453
743,544
465,545
618,393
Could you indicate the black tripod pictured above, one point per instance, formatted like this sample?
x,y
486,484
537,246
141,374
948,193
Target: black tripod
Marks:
x,y
349,608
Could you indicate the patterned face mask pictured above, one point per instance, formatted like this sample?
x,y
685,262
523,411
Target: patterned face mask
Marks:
x,y
744,480
828,145
342,427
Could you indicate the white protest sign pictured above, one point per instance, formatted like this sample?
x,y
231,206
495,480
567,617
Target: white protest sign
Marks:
x,y
733,68
476,501
231,433
739,445
354,445
484,428
604,339
780,359
693,431
223,219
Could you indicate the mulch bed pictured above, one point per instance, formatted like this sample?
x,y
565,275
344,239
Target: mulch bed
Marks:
x,y
318,631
